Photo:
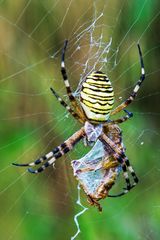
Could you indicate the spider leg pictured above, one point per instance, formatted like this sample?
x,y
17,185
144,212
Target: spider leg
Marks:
x,y
67,85
120,154
131,170
135,178
122,159
64,104
125,191
123,119
136,88
55,153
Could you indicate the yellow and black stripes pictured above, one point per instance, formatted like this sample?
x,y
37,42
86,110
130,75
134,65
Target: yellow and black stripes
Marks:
x,y
97,97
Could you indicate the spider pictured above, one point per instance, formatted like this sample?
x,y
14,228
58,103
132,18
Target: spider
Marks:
x,y
94,110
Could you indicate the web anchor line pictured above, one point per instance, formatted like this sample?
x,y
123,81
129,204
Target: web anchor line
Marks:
x,y
84,209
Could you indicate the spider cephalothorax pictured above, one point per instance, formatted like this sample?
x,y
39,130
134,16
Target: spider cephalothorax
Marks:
x,y
94,112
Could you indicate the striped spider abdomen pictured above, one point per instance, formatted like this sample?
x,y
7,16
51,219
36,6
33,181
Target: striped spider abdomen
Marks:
x,y
97,97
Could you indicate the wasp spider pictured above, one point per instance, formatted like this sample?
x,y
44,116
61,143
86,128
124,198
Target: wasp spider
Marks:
x,y
94,111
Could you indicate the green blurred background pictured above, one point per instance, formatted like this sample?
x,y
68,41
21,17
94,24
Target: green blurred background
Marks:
x,y
32,122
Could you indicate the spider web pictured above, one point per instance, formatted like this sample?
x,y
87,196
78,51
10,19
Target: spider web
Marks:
x,y
102,35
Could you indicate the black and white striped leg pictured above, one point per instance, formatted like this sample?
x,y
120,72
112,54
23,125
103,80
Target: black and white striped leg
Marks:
x,y
64,74
123,119
136,88
119,155
55,153
121,160
131,170
125,162
67,85
135,178
67,107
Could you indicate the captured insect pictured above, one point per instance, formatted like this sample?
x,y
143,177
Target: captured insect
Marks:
x,y
98,170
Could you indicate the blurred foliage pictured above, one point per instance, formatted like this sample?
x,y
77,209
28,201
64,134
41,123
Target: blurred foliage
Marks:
x,y
32,122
